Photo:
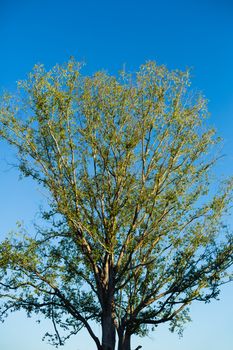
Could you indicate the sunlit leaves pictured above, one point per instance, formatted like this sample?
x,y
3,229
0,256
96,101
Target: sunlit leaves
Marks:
x,y
134,220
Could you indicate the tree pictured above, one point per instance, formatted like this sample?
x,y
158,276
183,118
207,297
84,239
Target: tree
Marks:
x,y
135,228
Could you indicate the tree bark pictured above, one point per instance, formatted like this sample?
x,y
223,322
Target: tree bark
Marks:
x,y
108,332
108,316
124,342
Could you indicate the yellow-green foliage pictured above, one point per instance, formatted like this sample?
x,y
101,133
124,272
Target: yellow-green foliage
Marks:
x,y
134,223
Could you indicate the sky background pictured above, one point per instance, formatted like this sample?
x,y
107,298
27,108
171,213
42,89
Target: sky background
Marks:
x,y
109,35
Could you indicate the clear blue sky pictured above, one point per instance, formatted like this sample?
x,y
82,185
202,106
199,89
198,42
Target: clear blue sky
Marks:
x,y
108,34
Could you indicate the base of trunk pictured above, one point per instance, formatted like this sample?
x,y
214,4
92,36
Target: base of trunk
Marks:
x,y
108,333
124,342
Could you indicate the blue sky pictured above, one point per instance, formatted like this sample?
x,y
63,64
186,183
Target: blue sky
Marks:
x,y
107,35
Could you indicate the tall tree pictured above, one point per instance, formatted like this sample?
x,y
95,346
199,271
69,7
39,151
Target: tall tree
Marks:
x,y
135,231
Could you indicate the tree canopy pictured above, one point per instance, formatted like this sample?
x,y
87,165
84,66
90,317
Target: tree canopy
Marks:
x,y
135,230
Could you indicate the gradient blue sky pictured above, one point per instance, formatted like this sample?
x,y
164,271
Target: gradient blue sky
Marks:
x,y
110,34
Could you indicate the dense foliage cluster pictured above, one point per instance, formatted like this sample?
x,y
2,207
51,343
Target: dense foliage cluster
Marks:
x,y
135,229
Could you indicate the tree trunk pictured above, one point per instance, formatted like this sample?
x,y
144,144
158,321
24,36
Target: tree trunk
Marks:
x,y
124,342
108,316
108,332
